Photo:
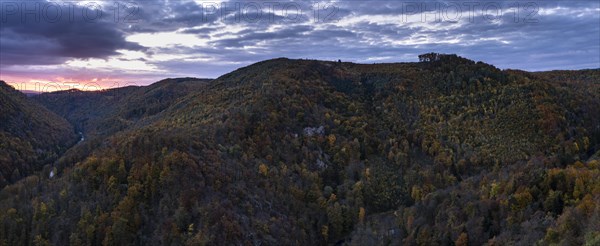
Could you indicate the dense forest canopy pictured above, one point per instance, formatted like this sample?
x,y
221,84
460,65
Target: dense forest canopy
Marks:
x,y
446,151
30,136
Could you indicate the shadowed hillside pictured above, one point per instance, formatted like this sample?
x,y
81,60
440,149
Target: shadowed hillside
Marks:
x,y
30,135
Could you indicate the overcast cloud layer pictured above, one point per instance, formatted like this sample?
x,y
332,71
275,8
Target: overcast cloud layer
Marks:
x,y
113,43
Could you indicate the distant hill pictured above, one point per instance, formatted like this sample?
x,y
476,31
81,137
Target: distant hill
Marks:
x,y
30,93
302,152
30,135
90,111
98,114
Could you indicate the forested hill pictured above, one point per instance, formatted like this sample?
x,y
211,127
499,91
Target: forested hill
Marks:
x,y
30,135
302,152
99,114
104,112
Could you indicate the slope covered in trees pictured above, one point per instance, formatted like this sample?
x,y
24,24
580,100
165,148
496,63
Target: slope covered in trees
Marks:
x,y
440,152
30,135
107,111
98,114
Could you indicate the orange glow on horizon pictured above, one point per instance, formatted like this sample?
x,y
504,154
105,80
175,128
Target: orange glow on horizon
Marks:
x,y
63,84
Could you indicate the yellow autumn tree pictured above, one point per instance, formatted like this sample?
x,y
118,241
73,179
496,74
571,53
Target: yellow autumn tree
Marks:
x,y
263,169
331,139
361,215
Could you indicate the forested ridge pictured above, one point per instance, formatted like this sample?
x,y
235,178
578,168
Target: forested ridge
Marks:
x,y
446,151
30,135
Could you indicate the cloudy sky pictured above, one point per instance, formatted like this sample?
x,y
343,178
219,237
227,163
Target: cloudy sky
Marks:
x,y
49,45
